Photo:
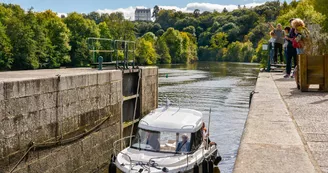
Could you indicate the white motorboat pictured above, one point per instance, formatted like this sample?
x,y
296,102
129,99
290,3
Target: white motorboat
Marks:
x,y
169,139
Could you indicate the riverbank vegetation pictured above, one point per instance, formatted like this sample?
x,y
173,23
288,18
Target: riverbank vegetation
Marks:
x,y
31,40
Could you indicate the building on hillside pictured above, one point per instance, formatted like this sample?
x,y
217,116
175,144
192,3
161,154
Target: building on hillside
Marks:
x,y
142,14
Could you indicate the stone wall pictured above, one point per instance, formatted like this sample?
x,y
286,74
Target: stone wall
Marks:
x,y
50,108
148,90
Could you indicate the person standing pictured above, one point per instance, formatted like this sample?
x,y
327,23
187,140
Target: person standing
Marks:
x,y
287,30
184,145
279,36
271,50
291,50
288,59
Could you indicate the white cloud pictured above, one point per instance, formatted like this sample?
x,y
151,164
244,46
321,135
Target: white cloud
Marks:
x,y
190,7
211,7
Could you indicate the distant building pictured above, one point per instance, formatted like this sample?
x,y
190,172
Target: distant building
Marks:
x,y
142,15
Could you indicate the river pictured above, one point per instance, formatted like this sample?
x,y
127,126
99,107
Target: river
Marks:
x,y
223,87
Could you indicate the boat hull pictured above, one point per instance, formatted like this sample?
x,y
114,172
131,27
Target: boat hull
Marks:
x,y
133,161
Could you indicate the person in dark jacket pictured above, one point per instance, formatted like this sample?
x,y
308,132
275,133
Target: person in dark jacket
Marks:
x,y
291,51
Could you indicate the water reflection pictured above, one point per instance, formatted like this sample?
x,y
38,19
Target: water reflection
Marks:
x,y
224,87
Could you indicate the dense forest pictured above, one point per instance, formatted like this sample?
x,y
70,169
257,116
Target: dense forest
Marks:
x,y
31,40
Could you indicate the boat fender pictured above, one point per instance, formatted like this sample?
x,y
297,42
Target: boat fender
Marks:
x,y
112,166
205,166
210,166
196,169
216,169
217,160
165,169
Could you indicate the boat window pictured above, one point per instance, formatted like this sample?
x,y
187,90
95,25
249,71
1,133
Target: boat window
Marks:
x,y
168,141
183,145
196,140
147,140
162,141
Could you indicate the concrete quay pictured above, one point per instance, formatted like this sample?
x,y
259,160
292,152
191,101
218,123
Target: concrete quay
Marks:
x,y
286,130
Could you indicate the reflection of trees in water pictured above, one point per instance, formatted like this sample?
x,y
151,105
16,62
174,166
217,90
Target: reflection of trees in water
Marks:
x,y
217,69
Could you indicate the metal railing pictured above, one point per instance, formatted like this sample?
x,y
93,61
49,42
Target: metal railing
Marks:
x,y
113,46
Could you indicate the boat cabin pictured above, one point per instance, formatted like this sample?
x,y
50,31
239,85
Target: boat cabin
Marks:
x,y
170,130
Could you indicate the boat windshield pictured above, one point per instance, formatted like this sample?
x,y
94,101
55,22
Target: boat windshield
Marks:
x,y
161,141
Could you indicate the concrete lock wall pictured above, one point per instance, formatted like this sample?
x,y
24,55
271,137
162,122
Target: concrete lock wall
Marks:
x,y
83,109
149,90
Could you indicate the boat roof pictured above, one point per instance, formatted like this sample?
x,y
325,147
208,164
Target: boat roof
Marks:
x,y
172,119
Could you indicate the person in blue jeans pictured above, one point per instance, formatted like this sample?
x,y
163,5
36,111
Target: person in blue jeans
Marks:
x,y
271,50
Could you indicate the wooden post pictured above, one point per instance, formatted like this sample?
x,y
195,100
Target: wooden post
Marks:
x,y
303,72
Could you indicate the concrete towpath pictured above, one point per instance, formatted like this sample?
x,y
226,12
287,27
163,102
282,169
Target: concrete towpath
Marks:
x,y
310,112
272,141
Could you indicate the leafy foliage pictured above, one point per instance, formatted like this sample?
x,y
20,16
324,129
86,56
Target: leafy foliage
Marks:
x,y
31,40
145,52
6,59
81,28
219,40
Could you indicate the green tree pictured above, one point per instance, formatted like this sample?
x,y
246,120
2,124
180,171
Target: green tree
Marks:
x,y
189,48
155,11
22,36
219,40
149,36
6,58
260,54
196,13
81,29
257,33
120,29
204,38
232,30
321,7
246,52
185,22
104,30
232,52
156,27
56,34
143,27
166,18
173,41
163,51
305,11
160,32
190,29
95,16
145,52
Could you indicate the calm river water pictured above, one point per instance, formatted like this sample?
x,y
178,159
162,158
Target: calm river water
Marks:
x,y
224,87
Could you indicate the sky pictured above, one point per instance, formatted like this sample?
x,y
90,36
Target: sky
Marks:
x,y
128,6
